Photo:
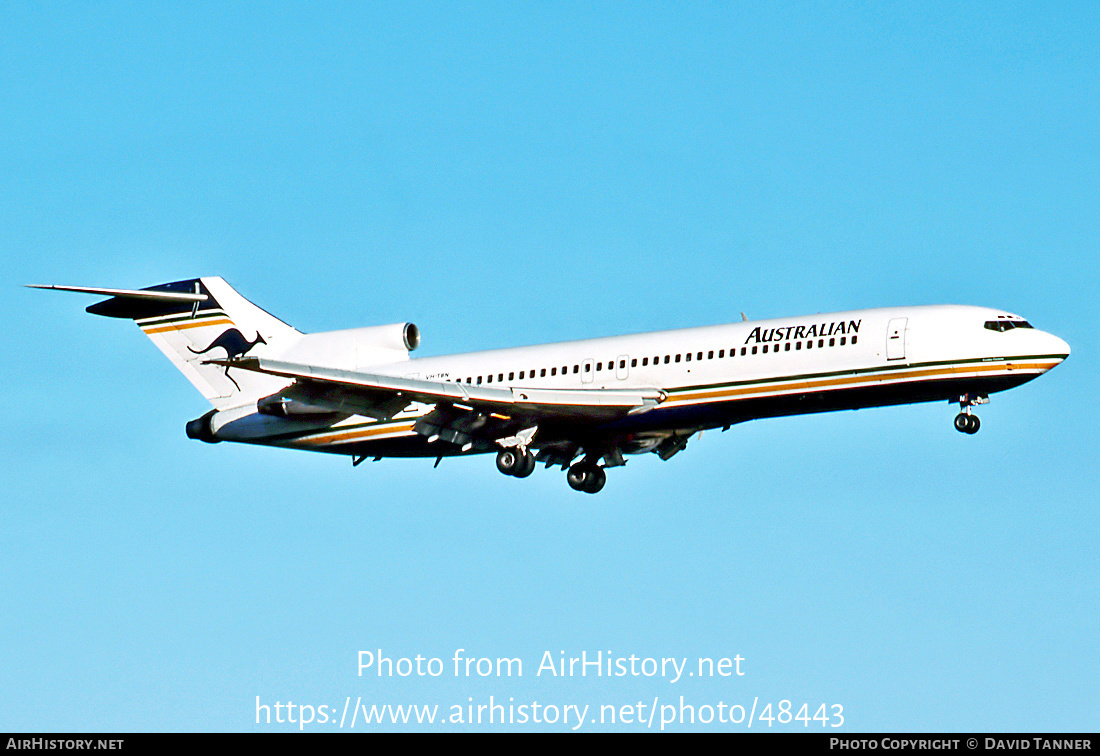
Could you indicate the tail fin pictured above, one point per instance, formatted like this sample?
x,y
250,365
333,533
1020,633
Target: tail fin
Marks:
x,y
201,319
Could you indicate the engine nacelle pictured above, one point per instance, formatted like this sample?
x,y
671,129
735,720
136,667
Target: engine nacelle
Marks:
x,y
354,348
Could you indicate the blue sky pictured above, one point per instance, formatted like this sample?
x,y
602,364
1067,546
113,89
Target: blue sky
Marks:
x,y
507,174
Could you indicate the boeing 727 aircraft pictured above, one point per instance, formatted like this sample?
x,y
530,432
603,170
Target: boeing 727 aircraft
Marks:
x,y
582,405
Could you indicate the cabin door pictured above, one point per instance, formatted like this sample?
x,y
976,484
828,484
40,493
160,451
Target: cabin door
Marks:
x,y
895,339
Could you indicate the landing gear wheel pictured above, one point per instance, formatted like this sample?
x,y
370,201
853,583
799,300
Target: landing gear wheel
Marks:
x,y
509,461
965,423
587,477
577,476
514,462
526,465
595,481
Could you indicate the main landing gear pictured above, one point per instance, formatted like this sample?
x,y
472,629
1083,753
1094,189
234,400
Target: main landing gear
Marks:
x,y
965,422
519,463
586,476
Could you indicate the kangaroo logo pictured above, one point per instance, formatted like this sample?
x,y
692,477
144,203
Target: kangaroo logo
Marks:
x,y
235,344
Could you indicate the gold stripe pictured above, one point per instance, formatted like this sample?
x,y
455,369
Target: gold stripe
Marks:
x,y
188,324
356,434
848,380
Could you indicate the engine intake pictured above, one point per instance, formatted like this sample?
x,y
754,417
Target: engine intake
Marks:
x,y
411,336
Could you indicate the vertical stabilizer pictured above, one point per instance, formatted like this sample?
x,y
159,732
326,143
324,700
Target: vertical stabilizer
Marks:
x,y
212,321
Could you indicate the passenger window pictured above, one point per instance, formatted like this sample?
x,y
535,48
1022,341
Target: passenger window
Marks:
x,y
542,373
787,347
699,356
677,358
722,353
576,368
832,342
820,343
645,361
500,377
588,367
667,359
842,340
599,366
634,362
743,350
553,371
511,376
854,339
797,345
765,349
710,355
687,357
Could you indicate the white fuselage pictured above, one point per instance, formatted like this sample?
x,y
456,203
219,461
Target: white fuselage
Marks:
x,y
718,375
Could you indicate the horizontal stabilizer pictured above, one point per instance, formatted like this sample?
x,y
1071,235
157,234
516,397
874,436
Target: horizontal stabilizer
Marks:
x,y
191,320
157,296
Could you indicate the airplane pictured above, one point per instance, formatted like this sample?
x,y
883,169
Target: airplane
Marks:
x,y
581,405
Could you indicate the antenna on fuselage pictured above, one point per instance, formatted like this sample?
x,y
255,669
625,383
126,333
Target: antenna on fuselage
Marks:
x,y
744,318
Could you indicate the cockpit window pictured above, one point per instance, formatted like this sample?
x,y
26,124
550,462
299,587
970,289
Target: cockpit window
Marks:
x,y
1003,325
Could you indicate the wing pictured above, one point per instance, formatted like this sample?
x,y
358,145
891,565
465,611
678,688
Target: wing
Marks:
x,y
461,414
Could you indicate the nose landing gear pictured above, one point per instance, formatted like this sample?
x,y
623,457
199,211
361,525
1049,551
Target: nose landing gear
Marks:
x,y
965,422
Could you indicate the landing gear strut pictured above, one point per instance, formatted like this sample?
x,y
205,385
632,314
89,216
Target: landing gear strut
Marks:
x,y
518,463
965,422
586,476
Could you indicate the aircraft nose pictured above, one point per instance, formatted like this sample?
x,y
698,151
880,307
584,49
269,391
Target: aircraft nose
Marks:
x,y
1057,346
